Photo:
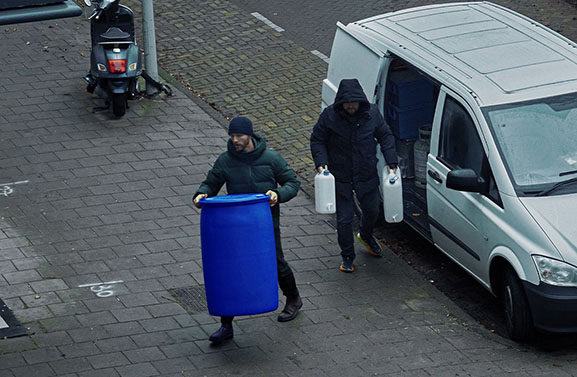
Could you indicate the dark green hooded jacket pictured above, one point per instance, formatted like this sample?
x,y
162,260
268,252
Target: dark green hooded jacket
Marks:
x,y
254,172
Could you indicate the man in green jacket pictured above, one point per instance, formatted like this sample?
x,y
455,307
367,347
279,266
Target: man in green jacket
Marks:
x,y
249,167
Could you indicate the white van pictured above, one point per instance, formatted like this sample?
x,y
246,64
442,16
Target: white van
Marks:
x,y
499,190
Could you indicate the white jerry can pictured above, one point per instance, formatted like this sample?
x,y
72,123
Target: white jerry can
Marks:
x,y
392,196
325,194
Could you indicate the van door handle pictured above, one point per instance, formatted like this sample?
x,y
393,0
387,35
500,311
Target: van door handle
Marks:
x,y
435,176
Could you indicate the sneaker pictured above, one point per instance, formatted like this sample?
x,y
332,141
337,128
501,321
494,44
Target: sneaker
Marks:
x,y
372,246
347,265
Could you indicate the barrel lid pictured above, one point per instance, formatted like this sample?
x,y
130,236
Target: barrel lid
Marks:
x,y
233,200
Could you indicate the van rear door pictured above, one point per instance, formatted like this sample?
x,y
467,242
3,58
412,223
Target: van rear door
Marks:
x,y
353,56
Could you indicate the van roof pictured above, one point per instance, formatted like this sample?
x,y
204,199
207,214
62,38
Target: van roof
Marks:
x,y
497,54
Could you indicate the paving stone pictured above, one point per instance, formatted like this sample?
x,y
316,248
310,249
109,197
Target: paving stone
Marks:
x,y
137,370
144,354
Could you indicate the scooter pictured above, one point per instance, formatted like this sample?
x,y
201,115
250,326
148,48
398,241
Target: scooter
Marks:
x,y
115,60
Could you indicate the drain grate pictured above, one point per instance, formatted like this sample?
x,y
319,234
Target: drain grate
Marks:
x,y
193,299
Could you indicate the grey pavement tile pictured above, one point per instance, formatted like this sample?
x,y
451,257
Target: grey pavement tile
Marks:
x,y
51,339
77,365
211,360
179,366
159,324
139,299
116,344
96,319
158,258
60,322
78,350
186,334
11,360
145,355
152,339
124,329
32,314
42,355
150,272
137,370
41,299
43,370
180,276
165,310
88,334
131,314
108,360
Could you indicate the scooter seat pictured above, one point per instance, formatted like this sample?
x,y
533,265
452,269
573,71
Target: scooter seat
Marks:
x,y
115,33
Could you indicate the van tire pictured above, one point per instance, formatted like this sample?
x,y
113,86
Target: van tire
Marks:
x,y
517,313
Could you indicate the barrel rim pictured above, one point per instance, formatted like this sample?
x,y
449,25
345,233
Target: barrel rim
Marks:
x,y
234,200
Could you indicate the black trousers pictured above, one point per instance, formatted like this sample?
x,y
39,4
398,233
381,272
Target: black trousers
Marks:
x,y
286,279
369,202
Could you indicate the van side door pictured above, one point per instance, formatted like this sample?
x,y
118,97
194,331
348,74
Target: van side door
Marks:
x,y
456,217
353,56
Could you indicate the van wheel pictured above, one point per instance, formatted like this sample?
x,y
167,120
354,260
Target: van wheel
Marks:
x,y
517,314
119,104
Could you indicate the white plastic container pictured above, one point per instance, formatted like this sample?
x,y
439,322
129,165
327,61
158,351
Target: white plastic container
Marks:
x,y
325,194
392,196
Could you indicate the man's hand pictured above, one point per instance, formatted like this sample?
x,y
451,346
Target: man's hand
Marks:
x,y
321,168
197,199
273,200
389,169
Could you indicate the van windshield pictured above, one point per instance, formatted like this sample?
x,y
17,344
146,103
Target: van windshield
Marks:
x,y
538,141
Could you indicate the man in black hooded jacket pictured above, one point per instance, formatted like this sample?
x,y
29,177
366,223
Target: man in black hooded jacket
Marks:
x,y
345,139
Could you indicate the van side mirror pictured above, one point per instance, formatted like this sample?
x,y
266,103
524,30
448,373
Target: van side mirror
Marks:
x,y
465,180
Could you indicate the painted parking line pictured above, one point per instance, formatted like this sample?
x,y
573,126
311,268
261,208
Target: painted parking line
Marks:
x,y
6,188
102,290
325,58
3,323
259,16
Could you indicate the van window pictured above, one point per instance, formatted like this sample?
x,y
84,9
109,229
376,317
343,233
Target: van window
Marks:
x,y
460,146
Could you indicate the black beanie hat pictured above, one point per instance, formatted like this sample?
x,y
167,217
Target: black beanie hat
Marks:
x,y
240,125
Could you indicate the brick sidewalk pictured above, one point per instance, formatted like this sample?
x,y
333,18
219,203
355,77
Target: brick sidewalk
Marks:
x,y
108,201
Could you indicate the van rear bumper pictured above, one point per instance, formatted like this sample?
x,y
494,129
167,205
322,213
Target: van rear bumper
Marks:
x,y
553,308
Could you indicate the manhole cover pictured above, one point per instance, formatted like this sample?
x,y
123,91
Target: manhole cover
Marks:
x,y
193,299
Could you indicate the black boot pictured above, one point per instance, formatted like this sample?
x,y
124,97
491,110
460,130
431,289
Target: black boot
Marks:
x,y
224,333
291,309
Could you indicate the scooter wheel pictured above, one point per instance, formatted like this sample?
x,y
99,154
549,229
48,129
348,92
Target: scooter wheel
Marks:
x,y
119,104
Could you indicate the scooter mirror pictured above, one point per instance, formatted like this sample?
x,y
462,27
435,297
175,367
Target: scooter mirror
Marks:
x,y
88,3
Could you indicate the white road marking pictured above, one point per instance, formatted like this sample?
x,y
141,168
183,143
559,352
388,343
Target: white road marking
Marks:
x,y
105,283
102,289
5,188
267,21
3,323
321,55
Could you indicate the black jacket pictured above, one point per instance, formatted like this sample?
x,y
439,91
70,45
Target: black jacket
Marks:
x,y
254,172
348,144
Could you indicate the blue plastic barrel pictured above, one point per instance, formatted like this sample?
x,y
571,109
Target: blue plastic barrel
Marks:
x,y
238,255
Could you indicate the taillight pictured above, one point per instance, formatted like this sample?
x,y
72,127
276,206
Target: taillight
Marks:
x,y
117,66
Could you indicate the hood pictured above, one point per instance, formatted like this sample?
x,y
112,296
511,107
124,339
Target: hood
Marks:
x,y
556,215
351,91
259,147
